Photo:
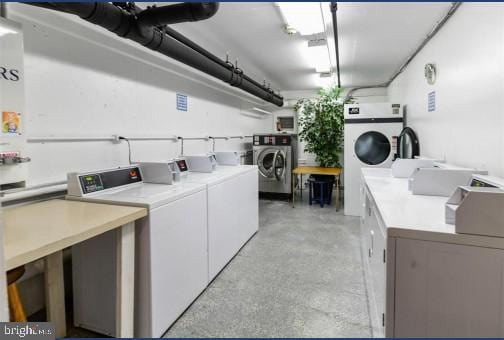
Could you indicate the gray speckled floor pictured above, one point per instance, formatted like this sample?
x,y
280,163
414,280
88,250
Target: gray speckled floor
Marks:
x,y
300,276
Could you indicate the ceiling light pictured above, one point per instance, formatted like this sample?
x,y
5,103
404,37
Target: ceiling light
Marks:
x,y
305,17
318,55
261,111
5,31
324,82
289,30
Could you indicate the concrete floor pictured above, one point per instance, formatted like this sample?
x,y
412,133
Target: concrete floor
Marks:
x,y
300,276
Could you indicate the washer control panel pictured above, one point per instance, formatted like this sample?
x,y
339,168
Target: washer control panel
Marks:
x,y
284,140
87,183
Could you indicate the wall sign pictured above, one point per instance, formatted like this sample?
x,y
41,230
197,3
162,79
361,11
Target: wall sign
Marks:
x,y
431,99
181,102
11,123
10,74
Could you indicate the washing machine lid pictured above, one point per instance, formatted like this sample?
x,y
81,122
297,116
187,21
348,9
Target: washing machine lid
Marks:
x,y
408,145
372,148
145,195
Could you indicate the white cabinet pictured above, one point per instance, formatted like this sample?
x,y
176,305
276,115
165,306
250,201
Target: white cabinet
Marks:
x,y
448,290
374,254
423,279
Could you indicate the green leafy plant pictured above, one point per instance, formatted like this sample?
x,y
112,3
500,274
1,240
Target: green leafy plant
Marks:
x,y
322,124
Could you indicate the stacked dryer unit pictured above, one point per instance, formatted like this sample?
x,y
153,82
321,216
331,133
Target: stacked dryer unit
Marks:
x,y
371,131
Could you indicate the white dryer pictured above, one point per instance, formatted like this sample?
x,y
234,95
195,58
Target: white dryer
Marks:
x,y
371,131
171,251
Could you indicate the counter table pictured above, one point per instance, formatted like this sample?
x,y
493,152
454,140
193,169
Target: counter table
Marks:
x,y
43,230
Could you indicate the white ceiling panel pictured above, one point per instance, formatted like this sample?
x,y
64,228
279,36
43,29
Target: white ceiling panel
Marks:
x,y
375,39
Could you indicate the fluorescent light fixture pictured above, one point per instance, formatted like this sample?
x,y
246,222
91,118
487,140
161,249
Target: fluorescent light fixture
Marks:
x,y
261,111
5,31
324,82
305,17
318,55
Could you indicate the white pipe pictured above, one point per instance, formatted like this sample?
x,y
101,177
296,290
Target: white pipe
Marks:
x,y
69,139
115,139
172,138
31,192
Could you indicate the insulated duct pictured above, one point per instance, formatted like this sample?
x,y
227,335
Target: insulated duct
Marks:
x,y
148,28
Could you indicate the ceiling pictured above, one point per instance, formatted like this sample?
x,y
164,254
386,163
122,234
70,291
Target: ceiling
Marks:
x,y
375,39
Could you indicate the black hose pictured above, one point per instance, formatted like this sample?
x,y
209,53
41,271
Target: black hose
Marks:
x,y
177,13
174,45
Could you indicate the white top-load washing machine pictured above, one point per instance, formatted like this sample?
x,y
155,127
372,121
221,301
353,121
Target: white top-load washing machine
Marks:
x,y
171,251
371,131
233,209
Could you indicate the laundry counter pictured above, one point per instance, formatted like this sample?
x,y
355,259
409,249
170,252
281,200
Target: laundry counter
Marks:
x,y
43,230
424,279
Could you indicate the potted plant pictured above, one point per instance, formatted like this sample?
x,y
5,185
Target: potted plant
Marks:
x,y
321,124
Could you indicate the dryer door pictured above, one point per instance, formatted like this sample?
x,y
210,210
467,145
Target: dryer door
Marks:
x,y
271,163
372,148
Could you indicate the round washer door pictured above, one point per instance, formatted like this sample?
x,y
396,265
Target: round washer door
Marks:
x,y
372,148
271,163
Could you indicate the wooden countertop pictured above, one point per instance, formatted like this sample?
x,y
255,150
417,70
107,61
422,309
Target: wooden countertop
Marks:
x,y
317,170
36,230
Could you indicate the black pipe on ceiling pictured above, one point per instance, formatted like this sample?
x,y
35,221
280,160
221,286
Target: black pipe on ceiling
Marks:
x,y
334,9
125,23
177,13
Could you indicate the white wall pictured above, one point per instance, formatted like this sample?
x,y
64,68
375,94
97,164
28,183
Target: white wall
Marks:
x,y
467,127
83,81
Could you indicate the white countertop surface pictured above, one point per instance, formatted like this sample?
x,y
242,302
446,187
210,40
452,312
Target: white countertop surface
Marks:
x,y
415,216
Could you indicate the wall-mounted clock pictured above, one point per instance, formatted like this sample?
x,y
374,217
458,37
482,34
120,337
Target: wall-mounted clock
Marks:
x,y
430,73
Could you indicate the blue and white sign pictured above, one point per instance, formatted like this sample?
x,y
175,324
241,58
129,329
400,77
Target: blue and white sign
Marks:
x,y
431,106
181,102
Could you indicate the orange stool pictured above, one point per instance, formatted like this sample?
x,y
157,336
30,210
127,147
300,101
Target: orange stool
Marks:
x,y
16,310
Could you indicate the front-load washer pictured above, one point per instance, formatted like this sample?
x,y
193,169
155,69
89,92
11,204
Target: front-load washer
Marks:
x,y
233,210
275,156
171,251
371,131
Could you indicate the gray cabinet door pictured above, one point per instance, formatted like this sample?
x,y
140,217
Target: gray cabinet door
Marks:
x,y
448,290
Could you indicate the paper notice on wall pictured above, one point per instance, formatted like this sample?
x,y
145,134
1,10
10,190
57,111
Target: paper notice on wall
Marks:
x,y
431,99
11,123
181,102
